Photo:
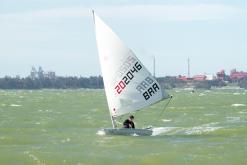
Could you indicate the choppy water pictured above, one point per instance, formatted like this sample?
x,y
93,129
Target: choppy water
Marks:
x,y
61,127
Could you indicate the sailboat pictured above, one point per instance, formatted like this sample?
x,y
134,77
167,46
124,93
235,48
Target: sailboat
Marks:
x,y
129,86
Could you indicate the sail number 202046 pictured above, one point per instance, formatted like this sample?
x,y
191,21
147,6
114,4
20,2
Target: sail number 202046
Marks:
x,y
128,77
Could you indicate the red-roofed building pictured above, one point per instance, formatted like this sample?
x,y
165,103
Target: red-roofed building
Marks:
x,y
199,77
237,75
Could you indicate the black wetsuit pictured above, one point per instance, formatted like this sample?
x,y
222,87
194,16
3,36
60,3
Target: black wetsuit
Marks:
x,y
128,124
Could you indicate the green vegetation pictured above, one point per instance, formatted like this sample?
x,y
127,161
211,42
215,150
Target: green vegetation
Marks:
x,y
54,83
40,79
243,83
93,82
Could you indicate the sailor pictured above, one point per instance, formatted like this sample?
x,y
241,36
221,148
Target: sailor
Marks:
x,y
128,123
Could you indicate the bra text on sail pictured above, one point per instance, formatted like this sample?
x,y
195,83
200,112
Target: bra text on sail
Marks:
x,y
147,87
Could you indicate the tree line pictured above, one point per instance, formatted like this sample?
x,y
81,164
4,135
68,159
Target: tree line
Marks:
x,y
95,82
39,79
55,83
243,83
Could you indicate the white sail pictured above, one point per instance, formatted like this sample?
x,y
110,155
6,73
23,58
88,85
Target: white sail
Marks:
x,y
129,86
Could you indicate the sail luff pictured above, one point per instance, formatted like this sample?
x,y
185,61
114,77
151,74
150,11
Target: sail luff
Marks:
x,y
114,124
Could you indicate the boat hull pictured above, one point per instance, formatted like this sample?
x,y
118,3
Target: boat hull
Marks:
x,y
127,131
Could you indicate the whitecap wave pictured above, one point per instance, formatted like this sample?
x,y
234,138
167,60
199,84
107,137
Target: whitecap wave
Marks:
x,y
33,157
65,140
209,114
238,105
101,132
202,94
166,120
200,130
15,105
205,128
188,89
134,134
162,130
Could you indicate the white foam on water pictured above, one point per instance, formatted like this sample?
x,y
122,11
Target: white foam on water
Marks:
x,y
200,130
238,105
134,134
101,132
188,89
33,157
45,110
65,140
199,107
15,105
162,130
205,128
166,120
202,94
209,114
236,93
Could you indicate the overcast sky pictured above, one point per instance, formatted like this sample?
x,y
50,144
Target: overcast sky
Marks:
x,y
58,35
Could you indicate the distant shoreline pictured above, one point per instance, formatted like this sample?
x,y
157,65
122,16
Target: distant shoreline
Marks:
x,y
96,82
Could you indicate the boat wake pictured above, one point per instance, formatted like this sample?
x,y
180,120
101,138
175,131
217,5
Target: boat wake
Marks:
x,y
159,131
101,132
197,130
200,130
164,130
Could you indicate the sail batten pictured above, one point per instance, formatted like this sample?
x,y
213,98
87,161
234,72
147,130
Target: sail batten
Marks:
x,y
129,86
